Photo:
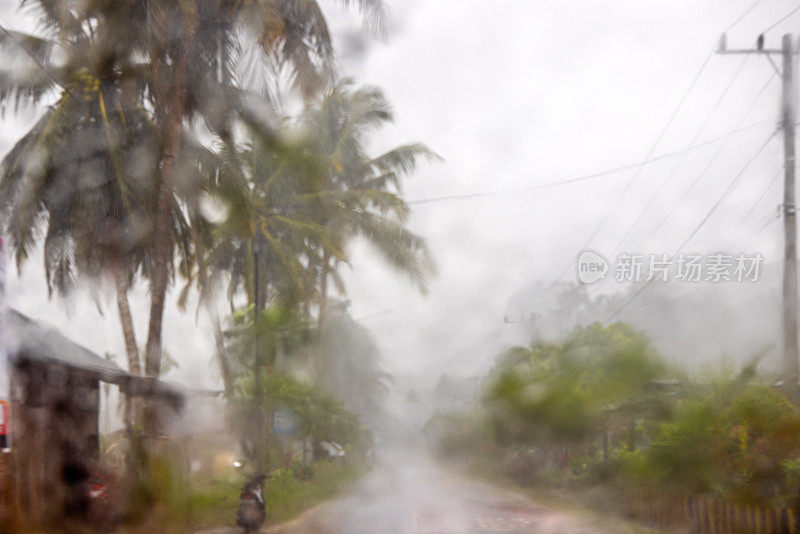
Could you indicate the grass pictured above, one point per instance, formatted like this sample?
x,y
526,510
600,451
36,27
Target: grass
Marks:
x,y
213,502
286,497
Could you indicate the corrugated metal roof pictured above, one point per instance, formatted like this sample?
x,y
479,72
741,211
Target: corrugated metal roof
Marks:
x,y
39,342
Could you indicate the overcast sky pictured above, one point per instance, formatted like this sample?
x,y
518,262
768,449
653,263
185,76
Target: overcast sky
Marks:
x,y
513,95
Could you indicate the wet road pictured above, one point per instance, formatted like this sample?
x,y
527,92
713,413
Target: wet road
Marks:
x,y
417,497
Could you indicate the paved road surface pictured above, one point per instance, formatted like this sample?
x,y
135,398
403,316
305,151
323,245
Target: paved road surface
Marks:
x,y
417,497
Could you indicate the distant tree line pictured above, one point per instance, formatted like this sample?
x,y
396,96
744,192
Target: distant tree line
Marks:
x,y
603,408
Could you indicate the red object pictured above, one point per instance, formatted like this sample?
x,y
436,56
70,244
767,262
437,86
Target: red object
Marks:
x,y
5,418
101,489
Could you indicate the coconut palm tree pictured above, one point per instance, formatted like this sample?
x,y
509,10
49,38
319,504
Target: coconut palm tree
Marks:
x,y
78,182
270,219
264,242
152,49
361,194
193,40
298,207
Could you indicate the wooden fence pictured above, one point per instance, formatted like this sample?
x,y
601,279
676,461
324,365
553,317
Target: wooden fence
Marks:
x,y
714,516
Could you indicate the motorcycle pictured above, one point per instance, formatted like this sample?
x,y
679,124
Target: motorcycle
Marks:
x,y
252,511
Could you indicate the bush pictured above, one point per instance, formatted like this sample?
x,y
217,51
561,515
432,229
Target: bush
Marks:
x,y
742,451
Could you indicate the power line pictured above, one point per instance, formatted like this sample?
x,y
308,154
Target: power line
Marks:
x,y
646,161
664,130
771,219
666,127
772,135
727,191
586,177
700,225
776,23
708,166
761,197
742,16
683,155
650,152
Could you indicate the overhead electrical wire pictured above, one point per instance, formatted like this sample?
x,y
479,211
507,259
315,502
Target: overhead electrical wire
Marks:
x,y
771,219
782,19
677,166
760,198
700,225
743,15
650,153
727,191
708,166
646,161
666,127
586,177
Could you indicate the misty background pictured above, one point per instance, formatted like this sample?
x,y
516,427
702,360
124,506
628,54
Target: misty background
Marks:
x,y
515,96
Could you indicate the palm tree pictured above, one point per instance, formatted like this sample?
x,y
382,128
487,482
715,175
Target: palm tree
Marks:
x,y
193,41
78,181
83,175
270,219
268,234
361,195
152,49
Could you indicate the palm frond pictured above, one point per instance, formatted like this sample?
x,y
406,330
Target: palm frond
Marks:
x,y
402,250
404,160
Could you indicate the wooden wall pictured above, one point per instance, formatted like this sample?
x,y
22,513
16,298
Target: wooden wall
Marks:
x,y
54,439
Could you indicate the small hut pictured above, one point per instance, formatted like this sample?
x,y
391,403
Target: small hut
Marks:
x,y
55,405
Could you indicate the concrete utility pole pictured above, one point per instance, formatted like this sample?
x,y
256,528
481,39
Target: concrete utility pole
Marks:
x,y
791,354
790,349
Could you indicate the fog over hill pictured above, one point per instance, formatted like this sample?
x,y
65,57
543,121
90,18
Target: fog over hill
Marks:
x,y
691,323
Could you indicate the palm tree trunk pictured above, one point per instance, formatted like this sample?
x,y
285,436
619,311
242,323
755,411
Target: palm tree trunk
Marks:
x,y
174,98
126,321
131,414
222,355
158,283
163,230
206,295
323,289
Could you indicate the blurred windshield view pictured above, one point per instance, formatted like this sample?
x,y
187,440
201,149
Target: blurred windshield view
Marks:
x,y
399,267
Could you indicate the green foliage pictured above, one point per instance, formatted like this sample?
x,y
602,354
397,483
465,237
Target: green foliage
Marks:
x,y
602,408
682,449
294,201
255,340
569,391
742,449
318,415
456,434
152,109
721,435
286,496
181,503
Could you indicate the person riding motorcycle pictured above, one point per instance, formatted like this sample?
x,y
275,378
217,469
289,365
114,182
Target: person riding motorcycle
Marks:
x,y
252,510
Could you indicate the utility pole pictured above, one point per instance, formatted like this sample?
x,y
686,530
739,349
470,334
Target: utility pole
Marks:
x,y
791,354
790,349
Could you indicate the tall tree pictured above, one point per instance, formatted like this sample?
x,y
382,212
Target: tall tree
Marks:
x,y
361,194
79,180
189,41
153,49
